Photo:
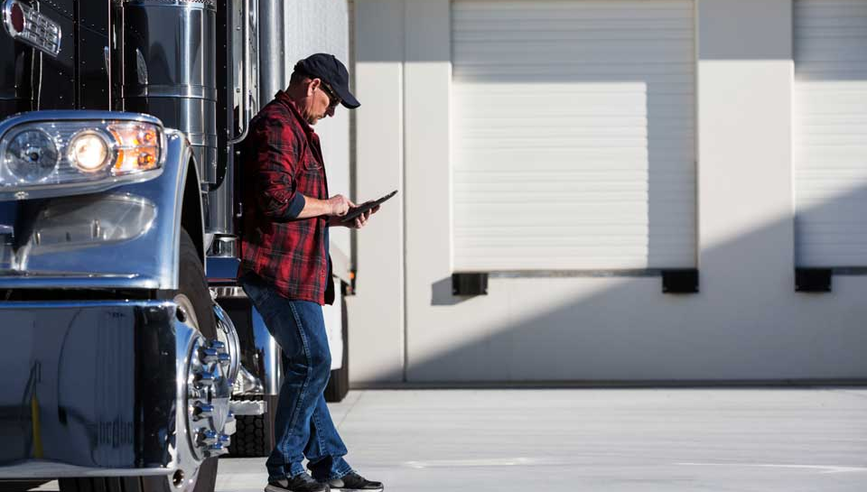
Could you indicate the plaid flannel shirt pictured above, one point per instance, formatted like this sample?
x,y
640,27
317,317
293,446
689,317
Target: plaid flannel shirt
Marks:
x,y
282,163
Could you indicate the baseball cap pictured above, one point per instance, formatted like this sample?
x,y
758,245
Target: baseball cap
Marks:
x,y
330,70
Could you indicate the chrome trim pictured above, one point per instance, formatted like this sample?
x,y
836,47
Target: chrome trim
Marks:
x,y
47,23
227,334
76,115
236,292
271,355
149,261
245,109
68,189
7,18
247,384
272,66
111,388
103,398
224,247
201,4
209,239
186,455
204,392
171,91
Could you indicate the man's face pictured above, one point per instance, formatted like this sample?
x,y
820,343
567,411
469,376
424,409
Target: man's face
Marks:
x,y
321,102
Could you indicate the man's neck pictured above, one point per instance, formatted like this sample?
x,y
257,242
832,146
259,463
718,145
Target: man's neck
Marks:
x,y
297,108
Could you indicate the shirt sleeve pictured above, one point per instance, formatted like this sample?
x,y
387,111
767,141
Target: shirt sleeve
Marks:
x,y
275,158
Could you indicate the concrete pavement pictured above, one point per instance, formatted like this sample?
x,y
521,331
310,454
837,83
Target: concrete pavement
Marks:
x,y
756,439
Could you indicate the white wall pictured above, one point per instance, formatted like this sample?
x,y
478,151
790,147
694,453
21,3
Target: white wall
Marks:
x,y
376,312
317,26
747,323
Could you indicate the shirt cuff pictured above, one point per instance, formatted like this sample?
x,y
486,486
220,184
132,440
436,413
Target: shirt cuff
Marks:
x,y
295,206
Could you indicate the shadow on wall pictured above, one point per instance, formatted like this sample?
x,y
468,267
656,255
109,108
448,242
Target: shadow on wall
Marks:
x,y
747,323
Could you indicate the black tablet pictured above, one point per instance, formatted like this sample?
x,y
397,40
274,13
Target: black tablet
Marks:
x,y
364,207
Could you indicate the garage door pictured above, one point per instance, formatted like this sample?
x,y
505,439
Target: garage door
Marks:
x,y
831,132
573,135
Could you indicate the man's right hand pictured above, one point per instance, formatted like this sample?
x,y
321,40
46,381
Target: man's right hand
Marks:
x,y
339,205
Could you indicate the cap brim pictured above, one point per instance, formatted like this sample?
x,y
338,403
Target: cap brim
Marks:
x,y
346,98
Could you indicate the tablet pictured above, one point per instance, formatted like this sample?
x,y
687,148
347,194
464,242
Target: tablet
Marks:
x,y
364,207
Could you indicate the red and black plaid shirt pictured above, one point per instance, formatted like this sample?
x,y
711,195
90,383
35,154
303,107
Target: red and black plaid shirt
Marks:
x,y
282,161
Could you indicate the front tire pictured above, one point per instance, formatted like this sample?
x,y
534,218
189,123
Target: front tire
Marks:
x,y
192,295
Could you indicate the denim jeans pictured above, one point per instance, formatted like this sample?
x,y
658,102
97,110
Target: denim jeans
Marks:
x,y
303,427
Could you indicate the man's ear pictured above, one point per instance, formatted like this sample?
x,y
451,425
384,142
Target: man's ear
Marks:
x,y
312,86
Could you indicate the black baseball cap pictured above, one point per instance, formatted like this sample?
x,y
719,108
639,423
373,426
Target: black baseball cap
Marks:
x,y
329,69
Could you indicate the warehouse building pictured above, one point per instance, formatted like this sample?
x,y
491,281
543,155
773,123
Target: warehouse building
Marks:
x,y
600,191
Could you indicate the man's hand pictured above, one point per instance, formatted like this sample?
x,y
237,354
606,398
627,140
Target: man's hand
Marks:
x,y
357,223
339,205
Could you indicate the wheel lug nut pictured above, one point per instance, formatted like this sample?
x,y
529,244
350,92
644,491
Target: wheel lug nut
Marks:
x,y
208,437
218,346
205,378
217,449
208,355
203,411
224,358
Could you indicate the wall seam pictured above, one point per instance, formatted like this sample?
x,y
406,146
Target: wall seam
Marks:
x,y
404,235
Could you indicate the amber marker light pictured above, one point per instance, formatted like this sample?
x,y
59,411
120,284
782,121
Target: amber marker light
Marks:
x,y
138,147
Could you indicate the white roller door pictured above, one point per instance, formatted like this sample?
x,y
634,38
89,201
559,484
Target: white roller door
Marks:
x,y
573,134
830,132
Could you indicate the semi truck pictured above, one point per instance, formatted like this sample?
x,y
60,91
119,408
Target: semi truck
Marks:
x,y
133,360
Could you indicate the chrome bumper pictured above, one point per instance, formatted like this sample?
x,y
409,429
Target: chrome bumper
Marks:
x,y
90,388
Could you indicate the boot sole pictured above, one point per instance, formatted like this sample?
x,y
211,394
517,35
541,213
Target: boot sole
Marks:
x,y
345,489
274,488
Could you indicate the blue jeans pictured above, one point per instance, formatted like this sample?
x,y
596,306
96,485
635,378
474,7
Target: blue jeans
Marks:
x,y
303,425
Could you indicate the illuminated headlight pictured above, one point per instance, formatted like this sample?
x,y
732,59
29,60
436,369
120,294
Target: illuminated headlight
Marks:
x,y
87,155
31,156
89,151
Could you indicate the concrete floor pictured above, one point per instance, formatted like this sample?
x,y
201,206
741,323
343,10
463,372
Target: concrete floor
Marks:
x,y
666,440
600,440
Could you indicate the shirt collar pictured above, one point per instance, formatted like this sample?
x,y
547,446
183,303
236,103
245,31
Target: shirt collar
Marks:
x,y
284,98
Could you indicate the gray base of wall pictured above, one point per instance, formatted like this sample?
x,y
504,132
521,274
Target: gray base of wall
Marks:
x,y
613,384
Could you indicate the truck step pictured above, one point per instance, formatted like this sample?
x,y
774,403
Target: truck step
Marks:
x,y
246,407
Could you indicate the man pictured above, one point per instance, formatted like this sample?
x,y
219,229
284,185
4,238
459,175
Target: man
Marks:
x,y
286,271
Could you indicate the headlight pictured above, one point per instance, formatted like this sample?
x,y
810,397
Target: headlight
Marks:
x,y
89,151
31,156
81,156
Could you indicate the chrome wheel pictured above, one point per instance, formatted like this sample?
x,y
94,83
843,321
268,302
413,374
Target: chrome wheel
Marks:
x,y
205,426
